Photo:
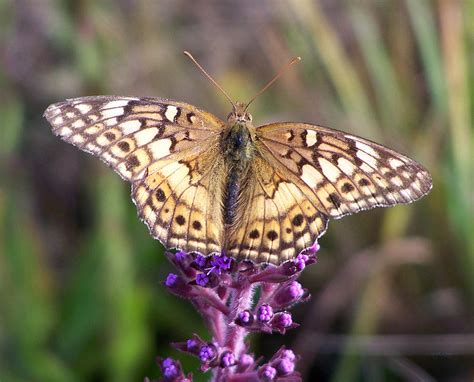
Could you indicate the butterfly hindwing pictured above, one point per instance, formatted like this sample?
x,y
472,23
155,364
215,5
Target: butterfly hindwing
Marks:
x,y
345,173
181,202
276,220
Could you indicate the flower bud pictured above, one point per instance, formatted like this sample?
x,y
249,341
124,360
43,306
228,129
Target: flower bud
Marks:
x,y
289,354
201,261
265,313
171,279
170,369
207,353
178,286
227,359
267,373
285,366
244,318
289,294
282,321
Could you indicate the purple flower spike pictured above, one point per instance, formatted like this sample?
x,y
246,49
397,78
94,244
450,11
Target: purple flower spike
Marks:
x,y
227,359
207,353
267,373
171,279
237,298
202,279
285,366
265,313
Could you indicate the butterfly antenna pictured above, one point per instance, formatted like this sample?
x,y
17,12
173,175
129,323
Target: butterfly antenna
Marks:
x,y
278,75
190,56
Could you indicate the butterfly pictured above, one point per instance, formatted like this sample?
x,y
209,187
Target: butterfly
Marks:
x,y
258,193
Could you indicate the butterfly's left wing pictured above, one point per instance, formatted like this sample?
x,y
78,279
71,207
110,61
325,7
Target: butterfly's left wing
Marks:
x,y
345,173
168,151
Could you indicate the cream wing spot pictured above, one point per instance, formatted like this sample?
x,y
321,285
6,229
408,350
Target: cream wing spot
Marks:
x,y
110,121
93,130
331,172
77,139
368,159
130,127
346,166
149,214
112,113
83,108
311,176
78,124
367,149
65,131
397,181
145,136
171,112
160,148
395,163
109,158
120,103
311,138
366,168
58,120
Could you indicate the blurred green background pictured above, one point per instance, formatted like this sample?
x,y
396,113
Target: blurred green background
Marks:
x,y
393,292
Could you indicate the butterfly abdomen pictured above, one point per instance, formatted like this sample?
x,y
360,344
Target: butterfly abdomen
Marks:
x,y
231,195
238,148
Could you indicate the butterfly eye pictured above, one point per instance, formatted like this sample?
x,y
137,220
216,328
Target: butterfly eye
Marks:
x,y
248,117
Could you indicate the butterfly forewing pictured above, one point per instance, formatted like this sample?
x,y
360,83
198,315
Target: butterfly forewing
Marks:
x,y
168,150
345,173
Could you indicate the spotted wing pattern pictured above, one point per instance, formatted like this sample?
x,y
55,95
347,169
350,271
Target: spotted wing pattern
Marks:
x,y
344,173
168,150
276,219
300,176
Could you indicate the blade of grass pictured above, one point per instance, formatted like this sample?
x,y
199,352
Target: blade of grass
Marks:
x,y
344,77
388,93
460,174
427,38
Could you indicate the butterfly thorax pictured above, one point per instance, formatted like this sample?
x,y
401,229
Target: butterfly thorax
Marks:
x,y
239,148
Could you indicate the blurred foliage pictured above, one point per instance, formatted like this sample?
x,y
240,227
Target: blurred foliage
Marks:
x,y
80,291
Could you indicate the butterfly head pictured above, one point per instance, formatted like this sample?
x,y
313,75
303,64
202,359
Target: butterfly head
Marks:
x,y
239,115
239,135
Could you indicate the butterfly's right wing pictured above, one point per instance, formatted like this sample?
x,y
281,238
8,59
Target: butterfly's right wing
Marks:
x,y
168,150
